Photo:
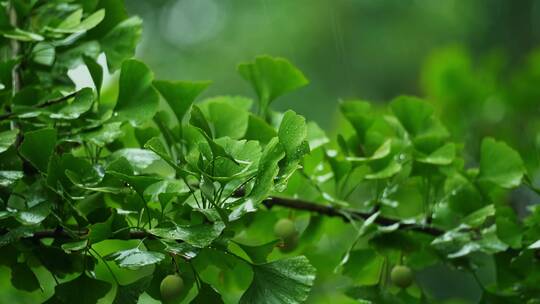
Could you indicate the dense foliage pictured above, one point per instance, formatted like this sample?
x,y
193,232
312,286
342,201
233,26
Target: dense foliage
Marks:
x,y
142,191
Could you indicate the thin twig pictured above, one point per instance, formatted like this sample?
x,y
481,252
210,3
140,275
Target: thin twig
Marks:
x,y
42,105
56,100
62,234
106,265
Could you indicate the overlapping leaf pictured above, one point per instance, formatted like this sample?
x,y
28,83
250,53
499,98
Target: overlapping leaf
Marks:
x,y
282,281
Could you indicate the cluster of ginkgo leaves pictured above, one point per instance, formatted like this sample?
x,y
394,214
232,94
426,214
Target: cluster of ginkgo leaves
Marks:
x,y
142,192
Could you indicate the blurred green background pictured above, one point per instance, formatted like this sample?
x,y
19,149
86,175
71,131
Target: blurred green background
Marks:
x,y
475,60
370,49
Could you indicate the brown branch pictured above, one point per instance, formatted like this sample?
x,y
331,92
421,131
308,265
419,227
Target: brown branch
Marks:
x,y
62,234
15,47
42,105
6,116
15,50
345,214
326,210
56,100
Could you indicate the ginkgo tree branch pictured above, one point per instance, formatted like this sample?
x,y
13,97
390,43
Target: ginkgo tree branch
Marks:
x,y
62,234
15,75
44,104
345,213
15,49
297,204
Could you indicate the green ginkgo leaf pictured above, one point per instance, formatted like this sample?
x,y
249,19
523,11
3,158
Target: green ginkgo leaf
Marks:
x,y
38,146
180,94
413,113
83,289
283,281
7,138
200,235
138,100
442,156
74,22
82,102
292,135
120,43
271,77
500,164
22,35
135,258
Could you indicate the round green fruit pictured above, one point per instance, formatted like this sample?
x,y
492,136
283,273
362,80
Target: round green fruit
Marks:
x,y
401,276
171,288
284,228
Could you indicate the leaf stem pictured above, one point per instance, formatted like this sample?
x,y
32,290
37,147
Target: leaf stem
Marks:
x,y
145,206
106,265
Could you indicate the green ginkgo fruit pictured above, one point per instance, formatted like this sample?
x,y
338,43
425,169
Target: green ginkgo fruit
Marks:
x,y
284,228
171,288
401,276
